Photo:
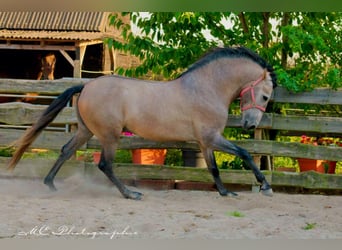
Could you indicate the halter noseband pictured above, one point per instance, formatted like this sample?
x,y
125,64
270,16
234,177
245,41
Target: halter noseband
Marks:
x,y
251,89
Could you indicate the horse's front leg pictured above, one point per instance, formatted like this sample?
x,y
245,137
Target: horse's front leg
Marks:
x,y
212,167
221,144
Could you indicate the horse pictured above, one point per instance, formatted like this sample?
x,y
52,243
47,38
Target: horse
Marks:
x,y
47,69
191,107
48,63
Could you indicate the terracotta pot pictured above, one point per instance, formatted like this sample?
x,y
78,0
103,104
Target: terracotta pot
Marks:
x,y
149,156
332,167
317,165
96,157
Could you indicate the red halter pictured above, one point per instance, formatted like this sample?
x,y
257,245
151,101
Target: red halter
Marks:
x,y
251,89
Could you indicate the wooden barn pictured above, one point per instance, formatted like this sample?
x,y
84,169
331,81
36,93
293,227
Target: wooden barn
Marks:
x,y
74,38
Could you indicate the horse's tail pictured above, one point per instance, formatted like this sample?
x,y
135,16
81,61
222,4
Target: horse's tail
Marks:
x,y
48,116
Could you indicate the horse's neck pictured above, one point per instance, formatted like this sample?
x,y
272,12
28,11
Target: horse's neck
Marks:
x,y
48,75
224,80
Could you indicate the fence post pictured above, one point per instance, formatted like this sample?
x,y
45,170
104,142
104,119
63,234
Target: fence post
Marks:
x,y
257,136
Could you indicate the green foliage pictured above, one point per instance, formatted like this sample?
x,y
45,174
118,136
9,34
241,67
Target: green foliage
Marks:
x,y
304,48
174,157
309,226
6,151
235,214
123,156
46,154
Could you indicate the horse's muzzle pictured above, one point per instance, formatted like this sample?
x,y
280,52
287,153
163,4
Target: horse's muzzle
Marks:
x,y
247,126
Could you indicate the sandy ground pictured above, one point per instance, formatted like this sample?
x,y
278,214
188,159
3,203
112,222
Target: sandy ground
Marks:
x,y
85,208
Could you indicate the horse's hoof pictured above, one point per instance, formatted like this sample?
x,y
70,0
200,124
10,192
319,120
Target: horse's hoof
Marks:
x,y
267,192
134,195
51,186
228,193
232,194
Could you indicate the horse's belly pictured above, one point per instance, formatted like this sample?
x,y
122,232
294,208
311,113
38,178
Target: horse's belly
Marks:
x,y
159,131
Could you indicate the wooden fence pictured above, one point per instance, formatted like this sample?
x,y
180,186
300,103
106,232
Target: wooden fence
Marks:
x,y
16,115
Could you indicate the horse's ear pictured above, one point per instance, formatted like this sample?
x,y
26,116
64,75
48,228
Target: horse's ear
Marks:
x,y
265,74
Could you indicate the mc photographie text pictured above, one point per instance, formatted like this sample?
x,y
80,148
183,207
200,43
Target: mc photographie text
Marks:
x,y
64,230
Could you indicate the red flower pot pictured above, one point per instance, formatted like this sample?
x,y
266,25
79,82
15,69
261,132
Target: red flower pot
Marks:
x,y
332,167
96,157
149,156
317,165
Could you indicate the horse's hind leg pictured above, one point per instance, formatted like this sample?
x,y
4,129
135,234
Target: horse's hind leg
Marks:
x,y
212,167
106,166
81,137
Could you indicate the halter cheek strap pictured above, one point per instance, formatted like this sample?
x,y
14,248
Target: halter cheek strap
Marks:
x,y
250,88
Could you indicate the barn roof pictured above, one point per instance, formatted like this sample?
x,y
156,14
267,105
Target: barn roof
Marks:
x,y
55,25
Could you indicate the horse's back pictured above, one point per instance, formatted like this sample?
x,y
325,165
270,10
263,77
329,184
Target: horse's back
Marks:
x,y
154,110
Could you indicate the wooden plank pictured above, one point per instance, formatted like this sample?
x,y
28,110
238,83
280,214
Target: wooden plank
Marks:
x,y
291,149
19,113
55,140
47,139
309,180
28,114
324,125
38,168
234,121
134,142
36,47
43,87
67,57
257,136
317,96
281,95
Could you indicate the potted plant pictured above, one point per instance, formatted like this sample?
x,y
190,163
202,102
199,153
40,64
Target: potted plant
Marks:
x,y
147,155
88,156
321,166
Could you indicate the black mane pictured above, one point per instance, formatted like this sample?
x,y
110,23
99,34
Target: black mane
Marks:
x,y
232,52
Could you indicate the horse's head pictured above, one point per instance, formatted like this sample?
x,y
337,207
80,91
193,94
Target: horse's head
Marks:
x,y
48,66
254,99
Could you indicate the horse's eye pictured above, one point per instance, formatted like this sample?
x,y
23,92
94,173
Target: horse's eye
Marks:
x,y
265,98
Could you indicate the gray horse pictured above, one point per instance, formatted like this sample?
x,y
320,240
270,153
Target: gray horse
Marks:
x,y
192,107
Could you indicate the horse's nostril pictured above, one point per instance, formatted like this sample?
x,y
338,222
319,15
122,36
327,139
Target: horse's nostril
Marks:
x,y
252,127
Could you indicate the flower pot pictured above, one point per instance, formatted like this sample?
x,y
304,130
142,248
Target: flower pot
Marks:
x,y
149,156
321,166
331,167
96,157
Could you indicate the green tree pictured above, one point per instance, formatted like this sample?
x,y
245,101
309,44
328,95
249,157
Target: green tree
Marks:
x,y
304,48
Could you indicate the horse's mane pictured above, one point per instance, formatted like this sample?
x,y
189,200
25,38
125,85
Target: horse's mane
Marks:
x,y
232,52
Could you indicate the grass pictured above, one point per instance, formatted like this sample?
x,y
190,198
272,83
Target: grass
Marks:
x,y
309,226
235,214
